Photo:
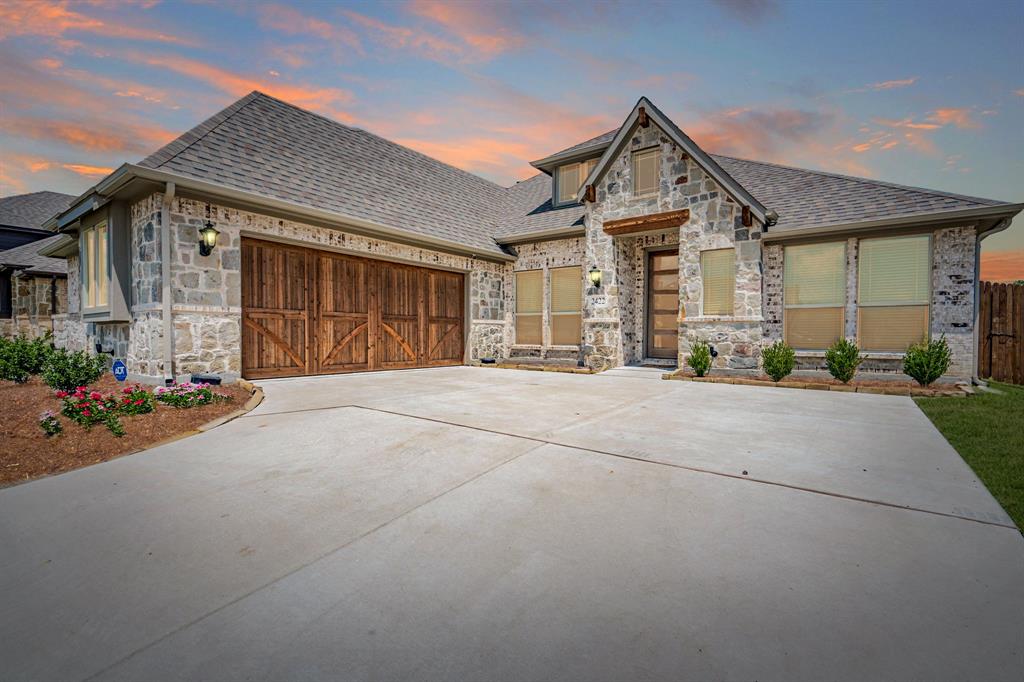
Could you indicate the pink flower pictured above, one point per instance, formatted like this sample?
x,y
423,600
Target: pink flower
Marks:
x,y
86,413
126,389
62,394
95,395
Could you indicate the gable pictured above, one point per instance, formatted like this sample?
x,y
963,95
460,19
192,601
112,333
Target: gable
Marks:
x,y
644,115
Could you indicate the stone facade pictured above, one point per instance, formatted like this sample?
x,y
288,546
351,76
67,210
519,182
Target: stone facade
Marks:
x,y
543,255
951,312
613,316
35,301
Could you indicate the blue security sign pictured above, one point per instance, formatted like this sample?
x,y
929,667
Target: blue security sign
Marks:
x,y
119,370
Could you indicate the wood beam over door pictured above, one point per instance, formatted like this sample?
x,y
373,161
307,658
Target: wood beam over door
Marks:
x,y
647,223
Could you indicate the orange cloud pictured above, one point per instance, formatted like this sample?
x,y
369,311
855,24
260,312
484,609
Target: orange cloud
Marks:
x,y
89,171
289,20
321,99
961,118
474,24
91,135
404,38
1002,266
1019,93
54,19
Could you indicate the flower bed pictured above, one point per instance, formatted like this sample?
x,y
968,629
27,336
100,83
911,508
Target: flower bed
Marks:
x,y
46,432
877,386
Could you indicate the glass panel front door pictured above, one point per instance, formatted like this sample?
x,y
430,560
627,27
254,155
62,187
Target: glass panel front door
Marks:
x,y
662,304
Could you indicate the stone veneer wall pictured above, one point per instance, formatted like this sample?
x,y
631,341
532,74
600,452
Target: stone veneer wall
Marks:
x,y
544,255
613,316
31,302
952,302
207,290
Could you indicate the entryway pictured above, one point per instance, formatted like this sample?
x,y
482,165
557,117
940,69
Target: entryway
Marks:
x,y
306,311
662,325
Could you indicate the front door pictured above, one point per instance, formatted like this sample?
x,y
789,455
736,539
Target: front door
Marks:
x,y
663,304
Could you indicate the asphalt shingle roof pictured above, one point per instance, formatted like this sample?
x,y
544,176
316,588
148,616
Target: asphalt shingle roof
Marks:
x,y
32,210
26,257
263,145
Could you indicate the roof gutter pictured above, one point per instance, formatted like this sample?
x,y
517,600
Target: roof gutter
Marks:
x,y
978,213
543,235
127,172
61,248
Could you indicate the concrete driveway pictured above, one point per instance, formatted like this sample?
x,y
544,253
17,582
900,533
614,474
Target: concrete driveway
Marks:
x,y
469,523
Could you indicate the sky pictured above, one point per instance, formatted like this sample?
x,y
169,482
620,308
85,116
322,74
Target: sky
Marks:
x,y
920,93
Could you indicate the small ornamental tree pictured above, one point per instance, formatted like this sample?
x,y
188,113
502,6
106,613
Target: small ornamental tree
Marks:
x,y
925,362
700,358
779,360
842,359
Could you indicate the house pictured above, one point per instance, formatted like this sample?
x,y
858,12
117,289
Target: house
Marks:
x,y
270,241
32,287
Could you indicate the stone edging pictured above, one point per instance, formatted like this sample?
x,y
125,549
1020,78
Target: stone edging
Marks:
x,y
540,368
957,391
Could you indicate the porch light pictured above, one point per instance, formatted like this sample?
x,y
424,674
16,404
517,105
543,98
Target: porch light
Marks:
x,y
595,276
207,239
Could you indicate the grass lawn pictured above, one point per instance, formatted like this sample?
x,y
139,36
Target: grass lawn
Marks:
x,y
988,431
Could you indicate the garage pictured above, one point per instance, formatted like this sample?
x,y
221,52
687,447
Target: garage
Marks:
x,y
306,311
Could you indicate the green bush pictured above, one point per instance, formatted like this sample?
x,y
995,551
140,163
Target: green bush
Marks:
x,y
779,360
21,358
67,370
842,359
700,358
927,361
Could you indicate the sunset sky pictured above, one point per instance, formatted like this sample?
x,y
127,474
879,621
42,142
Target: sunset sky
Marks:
x,y
928,93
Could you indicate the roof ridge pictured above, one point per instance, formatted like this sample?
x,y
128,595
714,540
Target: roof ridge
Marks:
x,y
375,135
867,181
206,127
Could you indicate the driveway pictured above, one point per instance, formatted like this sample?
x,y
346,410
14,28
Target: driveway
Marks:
x,y
470,523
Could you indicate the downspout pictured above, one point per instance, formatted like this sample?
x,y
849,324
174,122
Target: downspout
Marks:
x,y
165,278
998,227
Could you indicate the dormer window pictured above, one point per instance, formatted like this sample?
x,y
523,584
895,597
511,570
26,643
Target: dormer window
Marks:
x,y
645,172
570,178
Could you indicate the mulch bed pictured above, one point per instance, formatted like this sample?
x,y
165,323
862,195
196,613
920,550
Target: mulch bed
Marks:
x,y
26,452
890,386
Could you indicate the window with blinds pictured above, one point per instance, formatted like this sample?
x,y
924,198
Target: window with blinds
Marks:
x,y
814,295
529,307
718,271
95,268
571,177
566,303
645,172
894,289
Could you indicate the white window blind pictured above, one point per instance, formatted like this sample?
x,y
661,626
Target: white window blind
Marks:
x,y
568,182
566,302
894,289
645,172
718,271
529,307
95,268
814,281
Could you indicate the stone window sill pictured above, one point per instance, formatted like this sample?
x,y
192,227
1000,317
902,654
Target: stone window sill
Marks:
x,y
723,318
534,346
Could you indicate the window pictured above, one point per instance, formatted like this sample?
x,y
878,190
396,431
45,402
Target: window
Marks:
x,y
645,172
529,307
95,267
566,299
718,270
894,290
814,293
571,177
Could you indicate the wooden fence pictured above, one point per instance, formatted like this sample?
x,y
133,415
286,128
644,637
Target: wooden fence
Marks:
x,y
1001,333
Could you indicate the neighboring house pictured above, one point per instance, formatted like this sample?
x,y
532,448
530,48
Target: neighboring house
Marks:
x,y
33,288
337,250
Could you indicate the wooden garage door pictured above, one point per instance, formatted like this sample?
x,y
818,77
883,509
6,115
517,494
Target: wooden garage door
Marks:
x,y
314,312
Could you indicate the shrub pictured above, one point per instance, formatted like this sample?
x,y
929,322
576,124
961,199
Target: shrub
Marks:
x,y
67,370
88,408
188,395
842,359
927,361
49,423
779,360
20,358
700,358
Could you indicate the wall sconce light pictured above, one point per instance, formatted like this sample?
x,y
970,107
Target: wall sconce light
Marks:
x,y
595,276
207,239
